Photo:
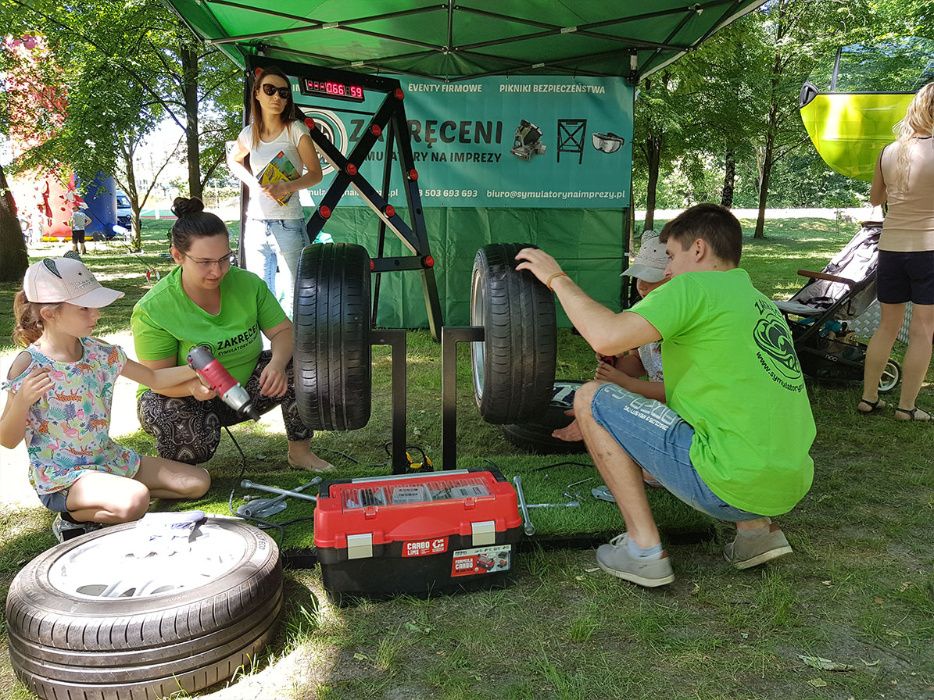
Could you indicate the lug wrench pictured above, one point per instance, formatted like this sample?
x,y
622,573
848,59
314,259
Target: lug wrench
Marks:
x,y
283,493
527,521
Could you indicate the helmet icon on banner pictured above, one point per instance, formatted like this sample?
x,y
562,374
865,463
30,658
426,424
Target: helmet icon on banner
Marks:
x,y
333,129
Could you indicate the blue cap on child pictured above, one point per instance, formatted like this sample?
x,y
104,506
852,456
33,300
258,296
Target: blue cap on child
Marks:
x,y
55,280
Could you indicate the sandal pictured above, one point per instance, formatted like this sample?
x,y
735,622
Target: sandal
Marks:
x,y
874,406
912,414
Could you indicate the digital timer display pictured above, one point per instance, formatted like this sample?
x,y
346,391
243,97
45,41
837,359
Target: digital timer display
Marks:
x,y
333,89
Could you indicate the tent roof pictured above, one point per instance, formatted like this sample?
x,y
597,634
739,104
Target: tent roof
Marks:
x,y
468,39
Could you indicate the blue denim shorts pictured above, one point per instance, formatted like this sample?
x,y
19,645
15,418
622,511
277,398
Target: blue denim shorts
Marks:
x,y
55,502
660,442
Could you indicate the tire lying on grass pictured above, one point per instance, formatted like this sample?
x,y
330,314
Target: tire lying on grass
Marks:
x,y
535,435
514,367
88,619
332,356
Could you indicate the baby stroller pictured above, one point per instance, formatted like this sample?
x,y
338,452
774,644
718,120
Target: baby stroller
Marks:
x,y
819,313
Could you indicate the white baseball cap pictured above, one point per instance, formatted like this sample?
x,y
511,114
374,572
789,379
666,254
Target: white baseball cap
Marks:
x,y
651,260
55,280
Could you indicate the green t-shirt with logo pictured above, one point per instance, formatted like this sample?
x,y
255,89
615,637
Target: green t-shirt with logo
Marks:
x,y
167,323
731,373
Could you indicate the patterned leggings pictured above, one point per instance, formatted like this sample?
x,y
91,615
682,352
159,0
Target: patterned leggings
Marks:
x,y
188,430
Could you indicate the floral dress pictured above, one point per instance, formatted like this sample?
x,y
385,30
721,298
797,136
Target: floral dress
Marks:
x,y
67,430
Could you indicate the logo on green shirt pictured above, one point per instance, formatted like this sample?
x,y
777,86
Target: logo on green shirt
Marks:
x,y
776,348
230,345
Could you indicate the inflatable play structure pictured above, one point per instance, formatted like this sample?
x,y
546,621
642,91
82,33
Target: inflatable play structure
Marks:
x,y
850,114
47,206
101,199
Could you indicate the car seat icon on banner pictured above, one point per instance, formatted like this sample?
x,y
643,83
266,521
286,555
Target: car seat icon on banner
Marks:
x,y
528,141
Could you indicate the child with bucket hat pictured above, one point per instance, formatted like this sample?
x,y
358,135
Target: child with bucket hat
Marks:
x,y
649,270
59,402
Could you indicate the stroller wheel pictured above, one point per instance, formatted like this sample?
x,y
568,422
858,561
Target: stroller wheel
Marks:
x,y
891,376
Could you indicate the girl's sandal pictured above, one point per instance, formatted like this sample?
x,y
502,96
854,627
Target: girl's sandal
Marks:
x,y
913,414
874,406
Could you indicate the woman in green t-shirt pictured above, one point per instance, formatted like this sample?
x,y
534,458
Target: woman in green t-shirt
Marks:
x,y
205,301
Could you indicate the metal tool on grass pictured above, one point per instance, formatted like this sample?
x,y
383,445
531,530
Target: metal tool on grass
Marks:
x,y
526,520
265,507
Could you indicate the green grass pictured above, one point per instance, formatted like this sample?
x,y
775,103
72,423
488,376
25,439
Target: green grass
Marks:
x,y
858,590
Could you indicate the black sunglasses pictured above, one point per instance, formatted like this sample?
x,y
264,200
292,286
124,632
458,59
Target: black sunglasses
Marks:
x,y
284,92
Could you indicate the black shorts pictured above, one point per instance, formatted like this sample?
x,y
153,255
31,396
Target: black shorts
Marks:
x,y
77,236
906,277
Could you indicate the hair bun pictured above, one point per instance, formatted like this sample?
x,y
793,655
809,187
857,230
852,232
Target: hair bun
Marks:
x,y
183,206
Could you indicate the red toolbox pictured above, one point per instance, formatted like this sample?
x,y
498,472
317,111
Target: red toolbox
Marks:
x,y
416,533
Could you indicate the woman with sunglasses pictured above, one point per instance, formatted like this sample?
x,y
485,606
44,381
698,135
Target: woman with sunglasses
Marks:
x,y
205,301
275,226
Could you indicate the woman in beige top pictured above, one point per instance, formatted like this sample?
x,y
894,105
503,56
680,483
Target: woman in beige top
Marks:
x,y
904,178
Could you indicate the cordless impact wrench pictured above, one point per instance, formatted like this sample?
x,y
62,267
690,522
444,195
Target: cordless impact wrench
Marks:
x,y
216,377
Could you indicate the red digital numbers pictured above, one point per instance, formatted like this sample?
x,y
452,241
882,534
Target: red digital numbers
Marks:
x,y
331,88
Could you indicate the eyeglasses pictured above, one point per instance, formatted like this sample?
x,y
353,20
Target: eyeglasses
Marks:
x,y
270,90
222,263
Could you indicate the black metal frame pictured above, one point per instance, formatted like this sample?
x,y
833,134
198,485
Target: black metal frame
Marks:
x,y
450,337
389,120
395,339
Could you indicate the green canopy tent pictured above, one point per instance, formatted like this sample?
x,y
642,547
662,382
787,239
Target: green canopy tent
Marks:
x,y
471,41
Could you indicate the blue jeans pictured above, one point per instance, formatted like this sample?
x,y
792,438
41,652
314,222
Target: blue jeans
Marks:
x,y
659,441
273,248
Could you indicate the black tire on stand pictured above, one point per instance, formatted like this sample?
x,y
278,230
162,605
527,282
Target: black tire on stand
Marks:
x,y
91,643
332,356
535,436
514,367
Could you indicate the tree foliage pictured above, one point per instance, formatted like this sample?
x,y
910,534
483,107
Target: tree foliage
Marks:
x,y
131,64
732,118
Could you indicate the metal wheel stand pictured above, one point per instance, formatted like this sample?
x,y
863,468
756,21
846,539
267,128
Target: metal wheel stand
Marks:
x,y
395,339
450,337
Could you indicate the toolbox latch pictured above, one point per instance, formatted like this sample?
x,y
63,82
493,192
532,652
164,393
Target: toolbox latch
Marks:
x,y
360,546
483,533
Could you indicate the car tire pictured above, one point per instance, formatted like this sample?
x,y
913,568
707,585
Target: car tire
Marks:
x,y
514,366
89,643
536,436
332,355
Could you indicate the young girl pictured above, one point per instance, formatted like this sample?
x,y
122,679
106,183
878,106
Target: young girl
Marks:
x,y
275,228
60,392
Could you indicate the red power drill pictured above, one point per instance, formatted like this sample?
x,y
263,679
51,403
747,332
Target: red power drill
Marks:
x,y
216,377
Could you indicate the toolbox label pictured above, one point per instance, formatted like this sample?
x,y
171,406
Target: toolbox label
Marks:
x,y
423,548
481,560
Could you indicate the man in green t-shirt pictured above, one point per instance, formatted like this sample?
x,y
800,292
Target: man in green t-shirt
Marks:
x,y
734,437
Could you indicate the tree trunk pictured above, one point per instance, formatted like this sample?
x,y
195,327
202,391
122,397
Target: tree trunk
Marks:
x,y
128,149
764,184
189,57
729,179
13,257
653,157
771,131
